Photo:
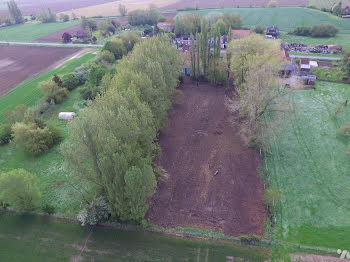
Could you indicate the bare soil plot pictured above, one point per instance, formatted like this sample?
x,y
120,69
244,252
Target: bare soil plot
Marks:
x,y
33,6
232,3
17,63
212,181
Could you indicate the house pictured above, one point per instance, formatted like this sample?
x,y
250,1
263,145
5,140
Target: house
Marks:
x,y
168,27
272,32
305,64
313,64
288,69
238,34
184,40
81,34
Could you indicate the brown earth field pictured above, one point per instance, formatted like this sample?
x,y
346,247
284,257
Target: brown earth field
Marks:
x,y
17,63
212,182
232,3
29,7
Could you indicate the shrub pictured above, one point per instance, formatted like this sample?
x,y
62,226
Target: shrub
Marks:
x,y
82,73
16,115
94,213
19,189
41,107
161,19
107,56
97,71
250,239
70,81
116,47
66,37
53,92
5,134
48,209
33,139
88,23
324,30
258,29
303,30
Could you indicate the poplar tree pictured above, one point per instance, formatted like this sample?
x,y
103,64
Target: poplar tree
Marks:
x,y
15,12
204,45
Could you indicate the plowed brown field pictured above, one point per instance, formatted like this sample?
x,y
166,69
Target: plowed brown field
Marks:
x,y
212,181
17,63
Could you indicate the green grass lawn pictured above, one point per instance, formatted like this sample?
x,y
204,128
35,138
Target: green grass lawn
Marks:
x,y
329,74
286,18
309,164
32,31
28,93
341,39
327,3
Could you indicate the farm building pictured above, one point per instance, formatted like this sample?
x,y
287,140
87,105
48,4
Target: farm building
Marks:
x,y
81,34
238,34
168,27
272,31
305,64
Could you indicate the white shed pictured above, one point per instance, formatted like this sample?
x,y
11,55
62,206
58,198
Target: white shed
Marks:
x,y
66,115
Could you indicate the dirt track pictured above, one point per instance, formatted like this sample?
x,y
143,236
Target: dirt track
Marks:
x,y
17,63
201,140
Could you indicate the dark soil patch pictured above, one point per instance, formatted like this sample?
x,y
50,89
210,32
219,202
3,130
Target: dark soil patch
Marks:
x,y
17,63
212,181
233,3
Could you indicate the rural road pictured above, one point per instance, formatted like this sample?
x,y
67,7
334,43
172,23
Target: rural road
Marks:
x,y
317,57
50,44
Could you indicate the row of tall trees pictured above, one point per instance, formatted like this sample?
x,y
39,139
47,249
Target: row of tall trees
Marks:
x,y
111,144
15,12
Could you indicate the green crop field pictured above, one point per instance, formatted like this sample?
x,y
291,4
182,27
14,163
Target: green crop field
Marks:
x,y
309,164
32,31
286,18
28,93
341,39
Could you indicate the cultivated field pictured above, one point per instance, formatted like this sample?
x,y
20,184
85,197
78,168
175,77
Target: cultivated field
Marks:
x,y
181,4
327,3
29,7
32,31
17,63
309,163
286,18
111,9
212,181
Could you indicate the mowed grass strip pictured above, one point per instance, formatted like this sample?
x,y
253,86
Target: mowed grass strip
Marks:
x,y
286,18
309,164
32,31
28,93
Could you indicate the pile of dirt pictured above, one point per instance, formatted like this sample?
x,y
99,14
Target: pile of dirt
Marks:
x,y
212,181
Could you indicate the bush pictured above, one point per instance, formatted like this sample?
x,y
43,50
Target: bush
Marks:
x,y
5,134
97,71
70,81
88,23
19,189
48,209
303,30
66,37
42,106
94,213
53,92
250,239
324,30
107,56
33,139
116,47
16,115
161,19
82,73
258,29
